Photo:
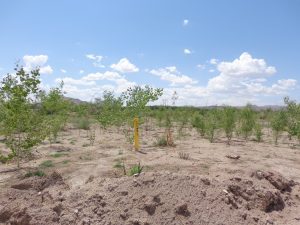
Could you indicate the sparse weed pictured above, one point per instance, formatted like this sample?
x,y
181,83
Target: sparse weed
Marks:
x,y
120,152
184,155
118,164
136,169
92,136
58,154
46,164
65,161
38,173
161,142
128,135
85,157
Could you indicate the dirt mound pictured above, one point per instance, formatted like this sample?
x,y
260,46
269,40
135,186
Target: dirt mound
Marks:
x,y
276,179
38,183
243,194
151,198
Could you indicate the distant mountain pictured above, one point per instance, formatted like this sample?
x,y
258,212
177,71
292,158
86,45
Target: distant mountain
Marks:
x,y
75,100
254,107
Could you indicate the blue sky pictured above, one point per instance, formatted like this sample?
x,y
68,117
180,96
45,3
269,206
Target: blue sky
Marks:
x,y
209,52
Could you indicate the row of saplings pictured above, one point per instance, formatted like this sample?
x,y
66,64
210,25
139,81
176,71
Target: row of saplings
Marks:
x,y
245,123
29,115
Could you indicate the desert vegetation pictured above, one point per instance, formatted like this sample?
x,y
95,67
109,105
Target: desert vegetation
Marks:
x,y
43,132
30,116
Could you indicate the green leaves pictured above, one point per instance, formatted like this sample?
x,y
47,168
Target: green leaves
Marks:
x,y
55,109
27,114
136,99
110,110
293,118
228,121
116,110
278,124
247,121
198,122
20,120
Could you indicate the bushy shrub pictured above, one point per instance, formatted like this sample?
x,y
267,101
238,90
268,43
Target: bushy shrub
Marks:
x,y
228,121
199,124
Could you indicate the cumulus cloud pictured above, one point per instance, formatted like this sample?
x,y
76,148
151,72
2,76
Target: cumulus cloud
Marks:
x,y
237,82
92,85
185,22
39,61
108,75
125,66
63,71
46,70
172,75
97,60
246,76
245,65
187,51
72,81
213,61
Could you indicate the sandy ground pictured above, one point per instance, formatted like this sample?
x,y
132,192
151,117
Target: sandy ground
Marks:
x,y
79,163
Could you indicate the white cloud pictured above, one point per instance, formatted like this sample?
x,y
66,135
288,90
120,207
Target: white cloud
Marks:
x,y
242,80
172,75
201,66
108,75
63,71
187,51
211,70
245,65
125,66
39,61
246,76
213,61
97,60
239,82
81,71
92,85
72,81
185,22
46,70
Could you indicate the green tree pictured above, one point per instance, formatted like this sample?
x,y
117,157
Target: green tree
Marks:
x,y
278,124
21,121
258,131
228,122
211,124
247,121
198,122
110,110
293,117
55,109
137,98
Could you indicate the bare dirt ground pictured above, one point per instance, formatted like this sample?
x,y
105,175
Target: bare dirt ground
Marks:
x,y
84,184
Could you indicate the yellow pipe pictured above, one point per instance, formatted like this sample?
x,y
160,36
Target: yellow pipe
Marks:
x,y
136,133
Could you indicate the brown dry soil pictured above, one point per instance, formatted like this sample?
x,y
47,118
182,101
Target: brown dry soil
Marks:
x,y
85,186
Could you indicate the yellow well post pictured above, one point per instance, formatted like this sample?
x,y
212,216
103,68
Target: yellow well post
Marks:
x,y
136,133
